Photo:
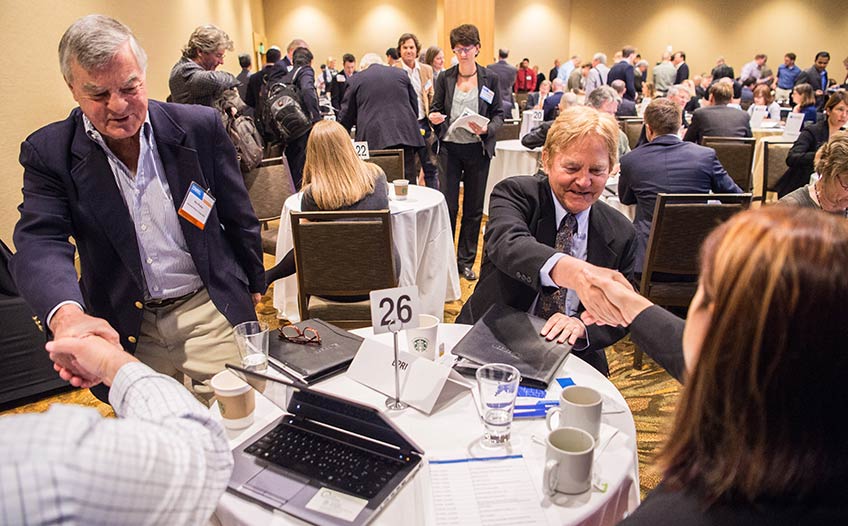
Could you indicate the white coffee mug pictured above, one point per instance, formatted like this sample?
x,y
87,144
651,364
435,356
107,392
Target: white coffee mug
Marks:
x,y
568,461
423,340
579,407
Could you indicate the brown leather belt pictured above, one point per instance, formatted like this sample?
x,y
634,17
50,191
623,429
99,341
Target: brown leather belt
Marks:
x,y
167,302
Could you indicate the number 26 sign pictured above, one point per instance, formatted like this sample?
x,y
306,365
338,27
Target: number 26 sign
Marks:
x,y
394,309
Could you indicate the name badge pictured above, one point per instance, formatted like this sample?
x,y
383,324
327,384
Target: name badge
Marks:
x,y
486,94
197,206
529,77
340,78
428,85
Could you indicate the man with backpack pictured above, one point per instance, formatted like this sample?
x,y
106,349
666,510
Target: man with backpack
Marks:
x,y
256,81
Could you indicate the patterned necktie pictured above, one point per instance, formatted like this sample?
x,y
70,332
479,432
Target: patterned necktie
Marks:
x,y
552,302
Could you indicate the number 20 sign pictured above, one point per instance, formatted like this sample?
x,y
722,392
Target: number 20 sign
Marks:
x,y
394,309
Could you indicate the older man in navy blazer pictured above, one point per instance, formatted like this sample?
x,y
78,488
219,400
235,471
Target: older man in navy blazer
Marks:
x,y
169,246
666,164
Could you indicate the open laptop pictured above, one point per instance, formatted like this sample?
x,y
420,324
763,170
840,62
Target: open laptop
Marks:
x,y
328,460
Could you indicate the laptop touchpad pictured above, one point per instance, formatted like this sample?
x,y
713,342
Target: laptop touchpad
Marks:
x,y
274,483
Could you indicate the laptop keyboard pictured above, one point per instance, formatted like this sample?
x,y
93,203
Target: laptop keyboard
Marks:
x,y
335,464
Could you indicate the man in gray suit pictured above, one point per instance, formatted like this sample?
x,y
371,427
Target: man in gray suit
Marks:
x,y
506,73
717,119
193,78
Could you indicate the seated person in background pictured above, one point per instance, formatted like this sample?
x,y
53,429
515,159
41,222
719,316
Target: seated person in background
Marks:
x,y
193,78
666,164
648,92
764,98
552,100
537,98
717,119
755,436
830,191
544,228
802,154
606,100
334,178
626,107
537,136
804,100
165,460
747,95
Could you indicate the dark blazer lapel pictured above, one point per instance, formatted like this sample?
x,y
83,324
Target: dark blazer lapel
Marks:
x,y
601,237
547,226
182,167
450,86
96,187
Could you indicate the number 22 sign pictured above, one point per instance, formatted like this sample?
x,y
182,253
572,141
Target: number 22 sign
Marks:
x,y
394,309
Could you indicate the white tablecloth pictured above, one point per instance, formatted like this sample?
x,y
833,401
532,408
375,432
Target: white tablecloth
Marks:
x,y
456,426
422,235
511,158
764,135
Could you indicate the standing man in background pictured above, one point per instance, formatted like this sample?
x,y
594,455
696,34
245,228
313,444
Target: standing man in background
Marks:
x,y
193,78
623,70
679,61
506,74
244,76
786,75
816,76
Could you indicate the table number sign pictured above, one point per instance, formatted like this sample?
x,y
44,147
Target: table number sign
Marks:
x,y
361,148
400,305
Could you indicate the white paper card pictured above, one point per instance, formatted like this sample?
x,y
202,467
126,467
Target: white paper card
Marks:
x,y
196,206
421,381
758,115
361,148
486,94
793,125
340,78
392,306
467,116
336,504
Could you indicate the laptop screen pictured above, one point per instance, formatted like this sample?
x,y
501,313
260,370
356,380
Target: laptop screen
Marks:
x,y
303,402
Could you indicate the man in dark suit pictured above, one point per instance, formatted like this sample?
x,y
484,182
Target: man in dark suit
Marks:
x,y
816,76
506,73
286,62
666,164
169,246
382,103
623,70
338,85
626,107
551,104
717,119
679,61
544,229
254,84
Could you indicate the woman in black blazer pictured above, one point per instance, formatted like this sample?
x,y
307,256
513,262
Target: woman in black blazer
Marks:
x,y
465,155
802,154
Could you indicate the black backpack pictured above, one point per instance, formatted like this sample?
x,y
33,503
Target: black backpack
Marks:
x,y
280,110
241,129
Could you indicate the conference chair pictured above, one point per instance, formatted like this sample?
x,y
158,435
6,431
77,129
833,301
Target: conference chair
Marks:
x,y
680,225
391,161
521,99
340,258
736,154
509,131
268,187
632,127
774,165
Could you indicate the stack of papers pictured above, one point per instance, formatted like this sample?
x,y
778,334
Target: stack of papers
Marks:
x,y
467,116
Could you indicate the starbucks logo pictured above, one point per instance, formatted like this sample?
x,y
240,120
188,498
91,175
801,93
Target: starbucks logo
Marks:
x,y
420,345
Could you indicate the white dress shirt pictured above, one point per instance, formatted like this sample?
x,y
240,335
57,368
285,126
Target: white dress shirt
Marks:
x,y
165,461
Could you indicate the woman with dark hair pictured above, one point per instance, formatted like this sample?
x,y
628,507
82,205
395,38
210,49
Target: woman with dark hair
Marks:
x,y
802,155
464,154
805,102
758,434
303,76
830,191
435,58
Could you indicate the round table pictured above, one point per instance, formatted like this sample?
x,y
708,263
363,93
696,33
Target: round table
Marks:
x,y
421,233
764,135
511,158
456,427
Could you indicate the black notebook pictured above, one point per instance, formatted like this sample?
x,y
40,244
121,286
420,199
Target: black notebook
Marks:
x,y
506,335
312,362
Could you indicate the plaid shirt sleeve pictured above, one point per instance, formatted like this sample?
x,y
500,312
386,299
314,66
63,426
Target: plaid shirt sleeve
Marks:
x,y
164,461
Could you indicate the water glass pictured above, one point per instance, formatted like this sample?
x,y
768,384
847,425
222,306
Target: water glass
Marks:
x,y
252,341
498,385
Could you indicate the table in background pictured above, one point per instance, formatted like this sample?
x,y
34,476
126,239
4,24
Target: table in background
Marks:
x,y
511,158
453,427
421,233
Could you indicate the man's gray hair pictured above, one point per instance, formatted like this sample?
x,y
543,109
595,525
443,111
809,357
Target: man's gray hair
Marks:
x,y
600,96
600,57
674,90
619,86
369,60
207,39
92,41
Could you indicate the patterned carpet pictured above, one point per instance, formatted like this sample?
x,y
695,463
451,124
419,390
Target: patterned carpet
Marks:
x,y
651,393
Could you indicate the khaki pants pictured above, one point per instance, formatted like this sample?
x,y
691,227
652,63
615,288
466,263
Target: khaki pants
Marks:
x,y
189,338
782,94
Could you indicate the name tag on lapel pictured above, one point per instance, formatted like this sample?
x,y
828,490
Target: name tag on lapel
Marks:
x,y
197,206
486,94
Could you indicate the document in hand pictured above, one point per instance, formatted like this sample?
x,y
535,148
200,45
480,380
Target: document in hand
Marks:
x,y
506,335
316,360
466,117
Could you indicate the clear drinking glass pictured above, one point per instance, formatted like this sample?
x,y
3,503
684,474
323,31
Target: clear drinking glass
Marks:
x,y
252,341
498,384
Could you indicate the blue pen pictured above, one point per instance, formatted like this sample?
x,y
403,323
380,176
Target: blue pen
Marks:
x,y
538,405
529,414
